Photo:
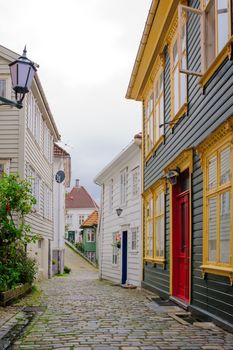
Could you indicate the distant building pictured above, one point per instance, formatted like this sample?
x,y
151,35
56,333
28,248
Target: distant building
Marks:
x,y
62,173
120,248
89,227
26,148
79,205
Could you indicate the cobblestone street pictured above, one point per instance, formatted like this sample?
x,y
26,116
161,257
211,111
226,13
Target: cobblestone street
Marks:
x,y
84,313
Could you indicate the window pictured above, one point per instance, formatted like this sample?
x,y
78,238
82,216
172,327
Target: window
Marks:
x,y
149,247
5,86
47,203
134,238
111,195
48,143
155,224
159,224
154,113
217,28
2,87
4,166
34,117
217,160
81,219
114,248
35,182
123,186
135,182
218,205
90,235
149,123
69,219
178,79
215,34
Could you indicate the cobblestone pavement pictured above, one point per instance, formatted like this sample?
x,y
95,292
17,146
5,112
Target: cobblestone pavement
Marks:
x,y
84,313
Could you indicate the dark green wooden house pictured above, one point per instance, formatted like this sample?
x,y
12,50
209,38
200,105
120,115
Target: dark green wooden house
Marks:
x,y
183,75
89,241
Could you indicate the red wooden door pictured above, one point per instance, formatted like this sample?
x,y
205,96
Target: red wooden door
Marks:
x,y
181,250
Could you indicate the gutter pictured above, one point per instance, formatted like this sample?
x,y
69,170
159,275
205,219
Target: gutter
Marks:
x,y
143,42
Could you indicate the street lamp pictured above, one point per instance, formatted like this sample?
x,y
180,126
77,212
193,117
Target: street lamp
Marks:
x,y
22,73
119,211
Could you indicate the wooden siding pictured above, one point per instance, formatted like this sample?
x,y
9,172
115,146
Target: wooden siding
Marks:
x,y
130,218
206,111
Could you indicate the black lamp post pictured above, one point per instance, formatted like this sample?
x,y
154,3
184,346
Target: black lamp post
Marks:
x,y
22,73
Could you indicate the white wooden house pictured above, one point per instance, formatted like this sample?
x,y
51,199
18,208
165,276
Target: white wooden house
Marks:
x,y
26,148
62,173
120,247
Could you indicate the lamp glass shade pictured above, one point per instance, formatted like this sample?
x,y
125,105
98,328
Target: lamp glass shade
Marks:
x,y
119,211
22,73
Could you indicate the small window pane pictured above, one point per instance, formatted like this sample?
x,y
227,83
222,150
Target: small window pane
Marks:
x,y
212,179
210,34
176,90
225,165
225,227
212,228
222,23
175,53
2,87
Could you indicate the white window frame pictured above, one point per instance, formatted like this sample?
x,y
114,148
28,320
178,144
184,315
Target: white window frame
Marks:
x,y
115,251
4,166
90,235
111,189
135,182
183,9
7,93
123,186
134,239
81,219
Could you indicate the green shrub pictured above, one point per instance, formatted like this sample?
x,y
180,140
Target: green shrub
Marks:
x,y
67,269
16,202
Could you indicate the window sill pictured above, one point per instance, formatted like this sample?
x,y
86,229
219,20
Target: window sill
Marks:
x,y
182,111
155,261
218,270
226,52
155,147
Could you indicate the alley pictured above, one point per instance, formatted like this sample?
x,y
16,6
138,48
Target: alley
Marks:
x,y
84,313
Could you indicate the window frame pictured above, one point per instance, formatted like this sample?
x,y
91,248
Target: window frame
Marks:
x,y
158,189
123,186
134,247
226,52
217,267
6,166
115,251
182,107
7,94
135,175
154,125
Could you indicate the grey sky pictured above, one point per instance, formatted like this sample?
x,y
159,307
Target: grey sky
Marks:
x,y
86,51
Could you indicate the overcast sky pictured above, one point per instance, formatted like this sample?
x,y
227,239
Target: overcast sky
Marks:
x,y
86,50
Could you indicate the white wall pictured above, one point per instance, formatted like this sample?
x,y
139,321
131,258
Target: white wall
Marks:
x,y
130,218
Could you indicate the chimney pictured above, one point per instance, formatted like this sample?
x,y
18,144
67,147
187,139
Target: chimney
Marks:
x,y
77,183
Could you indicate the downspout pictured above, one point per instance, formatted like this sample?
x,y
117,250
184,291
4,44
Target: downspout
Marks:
x,y
100,228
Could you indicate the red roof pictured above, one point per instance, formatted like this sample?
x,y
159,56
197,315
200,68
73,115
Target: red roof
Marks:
x,y
58,151
80,198
92,220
